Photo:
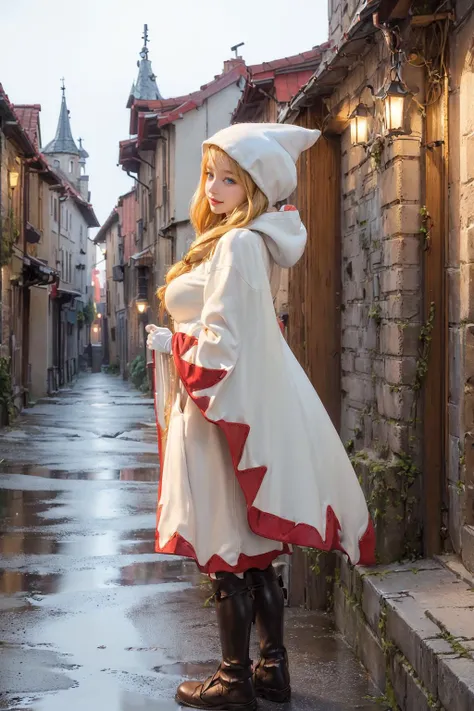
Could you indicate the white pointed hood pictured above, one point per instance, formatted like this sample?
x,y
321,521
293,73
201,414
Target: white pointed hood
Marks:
x,y
268,152
284,235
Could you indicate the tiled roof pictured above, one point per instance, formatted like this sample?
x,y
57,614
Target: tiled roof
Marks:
x,y
170,110
283,77
289,63
28,116
334,66
13,128
101,235
197,98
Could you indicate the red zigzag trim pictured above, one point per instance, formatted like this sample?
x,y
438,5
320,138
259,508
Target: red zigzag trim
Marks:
x,y
261,523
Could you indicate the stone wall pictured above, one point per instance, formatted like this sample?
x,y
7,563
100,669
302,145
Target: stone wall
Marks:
x,y
381,309
341,14
461,289
412,627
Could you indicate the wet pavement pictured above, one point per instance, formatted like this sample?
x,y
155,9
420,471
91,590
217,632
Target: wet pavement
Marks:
x,y
90,617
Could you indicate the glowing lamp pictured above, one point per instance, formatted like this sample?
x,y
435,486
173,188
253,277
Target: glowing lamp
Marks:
x,y
394,97
142,305
359,125
13,177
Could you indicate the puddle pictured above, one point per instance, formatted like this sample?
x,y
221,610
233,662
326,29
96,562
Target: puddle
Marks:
x,y
150,474
37,584
191,670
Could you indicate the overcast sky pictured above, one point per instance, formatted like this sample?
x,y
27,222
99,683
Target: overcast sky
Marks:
x,y
94,44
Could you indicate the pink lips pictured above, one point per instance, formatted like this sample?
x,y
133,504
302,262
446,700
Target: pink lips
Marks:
x,y
215,202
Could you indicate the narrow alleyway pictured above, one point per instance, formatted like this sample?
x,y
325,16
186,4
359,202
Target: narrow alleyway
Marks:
x,y
90,617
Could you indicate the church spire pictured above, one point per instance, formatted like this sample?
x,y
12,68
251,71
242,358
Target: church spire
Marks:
x,y
63,141
145,87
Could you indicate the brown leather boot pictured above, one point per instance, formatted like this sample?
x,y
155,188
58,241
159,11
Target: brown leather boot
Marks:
x,y
231,687
271,675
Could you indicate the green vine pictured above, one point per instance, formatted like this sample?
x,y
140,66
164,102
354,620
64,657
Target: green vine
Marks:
x,y
375,313
6,393
375,150
10,234
314,558
426,227
90,312
424,339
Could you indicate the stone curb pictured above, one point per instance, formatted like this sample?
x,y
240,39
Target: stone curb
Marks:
x,y
412,626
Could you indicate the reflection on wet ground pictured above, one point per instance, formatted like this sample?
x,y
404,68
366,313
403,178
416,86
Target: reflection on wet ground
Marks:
x,y
90,617
125,474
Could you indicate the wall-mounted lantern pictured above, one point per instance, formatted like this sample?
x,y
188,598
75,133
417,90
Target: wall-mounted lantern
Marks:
x,y
13,178
359,119
394,97
142,305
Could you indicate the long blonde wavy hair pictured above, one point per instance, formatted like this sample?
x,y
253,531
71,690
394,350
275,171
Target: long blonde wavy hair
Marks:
x,y
208,227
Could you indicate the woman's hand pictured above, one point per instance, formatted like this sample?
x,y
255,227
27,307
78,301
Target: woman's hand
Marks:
x,y
159,338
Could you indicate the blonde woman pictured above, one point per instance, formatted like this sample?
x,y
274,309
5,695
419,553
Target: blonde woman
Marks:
x,y
252,462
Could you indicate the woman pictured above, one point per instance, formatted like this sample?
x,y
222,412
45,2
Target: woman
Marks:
x,y
252,463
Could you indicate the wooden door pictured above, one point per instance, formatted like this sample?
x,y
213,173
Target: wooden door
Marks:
x,y
314,322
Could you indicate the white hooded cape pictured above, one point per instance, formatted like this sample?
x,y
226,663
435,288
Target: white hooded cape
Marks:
x,y
252,462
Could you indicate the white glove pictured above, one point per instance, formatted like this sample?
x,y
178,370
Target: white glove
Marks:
x,y
159,338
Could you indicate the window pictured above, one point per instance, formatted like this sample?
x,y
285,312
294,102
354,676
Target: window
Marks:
x,y
51,200
70,220
55,210
71,166
70,266
62,264
56,163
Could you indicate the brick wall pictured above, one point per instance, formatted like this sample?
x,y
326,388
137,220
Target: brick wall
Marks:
x,y
461,293
381,308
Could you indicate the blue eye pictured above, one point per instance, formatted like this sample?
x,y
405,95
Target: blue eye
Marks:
x,y
229,181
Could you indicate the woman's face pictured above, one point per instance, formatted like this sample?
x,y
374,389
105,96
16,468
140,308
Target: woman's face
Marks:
x,y
222,190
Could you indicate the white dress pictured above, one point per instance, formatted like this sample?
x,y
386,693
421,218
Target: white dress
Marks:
x,y
252,463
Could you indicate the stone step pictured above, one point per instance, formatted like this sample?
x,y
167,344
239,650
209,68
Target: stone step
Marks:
x,y
412,626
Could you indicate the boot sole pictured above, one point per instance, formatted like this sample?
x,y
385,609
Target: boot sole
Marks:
x,y
275,695
250,706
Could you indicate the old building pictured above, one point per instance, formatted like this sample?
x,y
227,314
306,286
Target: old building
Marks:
x,y
109,235
72,216
380,316
123,317
125,269
26,271
401,321
44,183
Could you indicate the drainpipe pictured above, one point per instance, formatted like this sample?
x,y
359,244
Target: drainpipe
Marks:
x,y
25,335
1,218
133,177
